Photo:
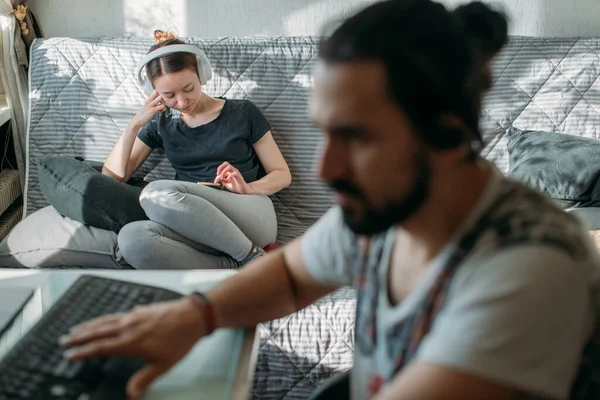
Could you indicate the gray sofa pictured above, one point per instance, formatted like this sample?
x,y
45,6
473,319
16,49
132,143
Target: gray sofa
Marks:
x,y
83,93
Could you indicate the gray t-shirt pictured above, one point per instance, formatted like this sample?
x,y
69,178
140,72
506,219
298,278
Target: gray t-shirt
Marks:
x,y
196,153
518,310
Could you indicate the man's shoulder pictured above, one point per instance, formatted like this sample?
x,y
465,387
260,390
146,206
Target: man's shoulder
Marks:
x,y
329,249
525,241
521,216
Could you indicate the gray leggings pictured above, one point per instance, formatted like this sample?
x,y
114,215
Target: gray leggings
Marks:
x,y
193,226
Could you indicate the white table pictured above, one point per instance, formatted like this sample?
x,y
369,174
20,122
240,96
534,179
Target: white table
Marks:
x,y
219,367
5,114
5,111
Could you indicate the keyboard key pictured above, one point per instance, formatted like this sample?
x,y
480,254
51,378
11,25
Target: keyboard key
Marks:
x,y
61,368
58,390
73,369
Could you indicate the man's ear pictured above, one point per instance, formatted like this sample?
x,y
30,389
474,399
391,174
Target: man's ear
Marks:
x,y
459,134
454,141
448,138
452,123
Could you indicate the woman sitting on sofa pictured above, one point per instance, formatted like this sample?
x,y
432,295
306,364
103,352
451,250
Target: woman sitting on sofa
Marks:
x,y
210,142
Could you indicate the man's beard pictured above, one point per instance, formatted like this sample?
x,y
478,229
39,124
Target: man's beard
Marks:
x,y
370,220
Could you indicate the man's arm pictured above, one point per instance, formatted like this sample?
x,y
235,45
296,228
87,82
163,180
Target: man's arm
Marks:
x,y
268,289
272,287
425,381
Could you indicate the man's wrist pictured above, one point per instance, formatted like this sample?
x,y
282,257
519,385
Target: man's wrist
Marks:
x,y
202,304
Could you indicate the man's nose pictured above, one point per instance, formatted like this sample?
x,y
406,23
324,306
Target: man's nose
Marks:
x,y
334,162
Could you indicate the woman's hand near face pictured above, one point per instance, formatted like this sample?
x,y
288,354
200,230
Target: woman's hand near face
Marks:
x,y
232,179
129,153
154,104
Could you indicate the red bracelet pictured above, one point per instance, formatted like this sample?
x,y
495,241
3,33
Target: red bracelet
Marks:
x,y
210,320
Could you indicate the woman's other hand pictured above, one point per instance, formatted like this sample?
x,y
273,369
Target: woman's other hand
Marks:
x,y
153,105
232,179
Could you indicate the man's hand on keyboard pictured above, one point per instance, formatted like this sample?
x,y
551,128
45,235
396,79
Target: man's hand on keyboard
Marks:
x,y
141,332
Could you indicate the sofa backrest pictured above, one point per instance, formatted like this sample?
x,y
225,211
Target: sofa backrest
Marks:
x,y
542,84
83,94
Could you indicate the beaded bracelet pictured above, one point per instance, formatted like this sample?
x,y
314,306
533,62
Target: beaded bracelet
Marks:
x,y
210,320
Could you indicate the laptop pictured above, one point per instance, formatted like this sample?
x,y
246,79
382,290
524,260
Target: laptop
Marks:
x,y
208,371
12,300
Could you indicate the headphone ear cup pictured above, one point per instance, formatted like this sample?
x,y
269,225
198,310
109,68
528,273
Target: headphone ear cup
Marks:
x,y
204,68
147,87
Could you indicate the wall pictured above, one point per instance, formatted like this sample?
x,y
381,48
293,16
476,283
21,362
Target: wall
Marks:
x,y
210,18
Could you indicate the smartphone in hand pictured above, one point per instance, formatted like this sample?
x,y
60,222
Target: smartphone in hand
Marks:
x,y
219,185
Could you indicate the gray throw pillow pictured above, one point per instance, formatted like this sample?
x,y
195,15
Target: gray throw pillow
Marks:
x,y
46,239
566,167
79,191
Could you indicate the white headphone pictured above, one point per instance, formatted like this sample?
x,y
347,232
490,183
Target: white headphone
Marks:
x,y
204,68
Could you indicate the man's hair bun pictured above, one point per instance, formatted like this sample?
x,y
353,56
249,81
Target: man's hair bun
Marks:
x,y
487,28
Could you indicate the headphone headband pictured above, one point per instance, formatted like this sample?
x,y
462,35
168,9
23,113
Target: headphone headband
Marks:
x,y
204,69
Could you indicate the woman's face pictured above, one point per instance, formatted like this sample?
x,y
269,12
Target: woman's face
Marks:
x,y
180,90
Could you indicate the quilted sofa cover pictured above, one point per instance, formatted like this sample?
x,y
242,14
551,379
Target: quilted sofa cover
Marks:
x,y
83,94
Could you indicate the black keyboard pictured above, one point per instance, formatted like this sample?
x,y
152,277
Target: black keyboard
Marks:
x,y
35,367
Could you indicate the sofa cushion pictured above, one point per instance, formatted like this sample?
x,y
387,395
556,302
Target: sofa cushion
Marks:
x,y
566,167
79,191
46,239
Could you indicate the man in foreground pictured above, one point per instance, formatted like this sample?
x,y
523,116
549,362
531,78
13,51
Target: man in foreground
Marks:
x,y
471,286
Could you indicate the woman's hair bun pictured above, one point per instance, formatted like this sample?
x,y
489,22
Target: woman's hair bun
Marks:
x,y
161,36
487,28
